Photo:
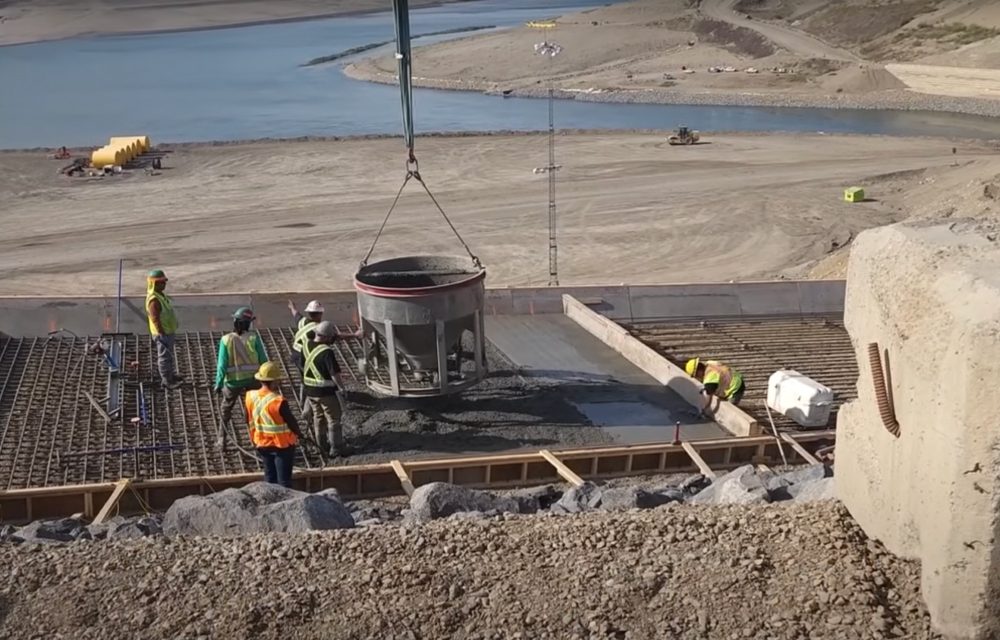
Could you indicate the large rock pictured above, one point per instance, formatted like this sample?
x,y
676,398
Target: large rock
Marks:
x,y
131,528
775,484
694,483
812,473
536,499
125,530
928,293
372,512
740,486
440,500
624,498
50,531
256,508
578,499
822,489
589,496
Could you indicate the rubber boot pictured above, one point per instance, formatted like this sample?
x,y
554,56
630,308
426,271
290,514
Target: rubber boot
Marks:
x,y
222,436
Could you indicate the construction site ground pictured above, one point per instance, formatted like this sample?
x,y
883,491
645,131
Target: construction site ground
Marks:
x,y
784,572
298,215
551,385
816,347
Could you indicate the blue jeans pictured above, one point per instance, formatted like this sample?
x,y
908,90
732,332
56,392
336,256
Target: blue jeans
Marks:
x,y
277,464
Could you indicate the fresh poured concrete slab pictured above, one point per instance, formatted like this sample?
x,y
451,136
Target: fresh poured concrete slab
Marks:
x,y
612,392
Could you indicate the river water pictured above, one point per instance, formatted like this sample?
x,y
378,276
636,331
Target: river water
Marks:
x,y
246,82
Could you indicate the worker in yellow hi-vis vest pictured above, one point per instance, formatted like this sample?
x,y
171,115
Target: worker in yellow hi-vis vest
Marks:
x,y
241,352
718,380
162,326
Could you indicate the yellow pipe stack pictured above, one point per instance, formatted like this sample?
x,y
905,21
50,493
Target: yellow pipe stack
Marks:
x,y
120,150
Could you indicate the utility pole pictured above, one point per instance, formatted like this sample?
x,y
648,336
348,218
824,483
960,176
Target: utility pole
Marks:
x,y
551,50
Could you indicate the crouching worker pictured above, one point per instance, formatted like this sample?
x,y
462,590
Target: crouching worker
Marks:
x,y
719,381
273,429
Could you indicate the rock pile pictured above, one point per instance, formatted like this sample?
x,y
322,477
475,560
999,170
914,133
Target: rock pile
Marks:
x,y
678,571
752,485
264,508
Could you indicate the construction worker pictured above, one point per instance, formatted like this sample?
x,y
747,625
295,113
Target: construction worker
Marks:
x,y
241,352
321,377
273,429
162,326
718,381
304,325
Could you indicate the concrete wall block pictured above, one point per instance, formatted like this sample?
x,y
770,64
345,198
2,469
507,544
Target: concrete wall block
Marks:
x,y
683,301
821,296
537,300
499,302
37,316
768,298
929,296
611,302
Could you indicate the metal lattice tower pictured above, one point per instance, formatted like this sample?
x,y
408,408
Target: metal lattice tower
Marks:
x,y
551,50
553,250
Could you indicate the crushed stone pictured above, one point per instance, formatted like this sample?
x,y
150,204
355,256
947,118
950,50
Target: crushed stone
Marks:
x,y
678,571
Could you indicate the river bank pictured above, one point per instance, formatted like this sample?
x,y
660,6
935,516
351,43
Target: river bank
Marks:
x,y
666,52
896,100
27,21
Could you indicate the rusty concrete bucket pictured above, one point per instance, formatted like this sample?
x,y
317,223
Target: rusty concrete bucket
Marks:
x,y
422,318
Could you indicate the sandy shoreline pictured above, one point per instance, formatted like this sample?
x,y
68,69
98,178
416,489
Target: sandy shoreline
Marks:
x,y
193,145
884,100
666,52
25,22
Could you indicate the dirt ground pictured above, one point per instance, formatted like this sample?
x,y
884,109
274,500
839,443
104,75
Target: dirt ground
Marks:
x,y
718,573
781,53
24,21
301,215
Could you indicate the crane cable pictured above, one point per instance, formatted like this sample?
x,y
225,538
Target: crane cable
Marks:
x,y
401,15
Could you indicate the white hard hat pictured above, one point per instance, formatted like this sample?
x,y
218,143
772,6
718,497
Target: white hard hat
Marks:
x,y
314,306
326,329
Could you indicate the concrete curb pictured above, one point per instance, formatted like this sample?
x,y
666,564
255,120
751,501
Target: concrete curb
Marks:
x,y
730,417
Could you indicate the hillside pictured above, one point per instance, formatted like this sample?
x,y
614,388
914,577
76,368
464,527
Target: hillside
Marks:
x,y
956,32
832,53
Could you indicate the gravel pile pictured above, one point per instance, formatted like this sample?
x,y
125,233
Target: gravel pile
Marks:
x,y
678,571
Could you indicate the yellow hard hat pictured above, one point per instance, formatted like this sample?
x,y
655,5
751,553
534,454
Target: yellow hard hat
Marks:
x,y
269,372
691,366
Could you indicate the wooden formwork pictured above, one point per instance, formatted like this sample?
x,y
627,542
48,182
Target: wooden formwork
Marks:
x,y
498,471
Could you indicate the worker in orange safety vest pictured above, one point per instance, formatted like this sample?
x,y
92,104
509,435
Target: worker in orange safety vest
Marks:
x,y
274,431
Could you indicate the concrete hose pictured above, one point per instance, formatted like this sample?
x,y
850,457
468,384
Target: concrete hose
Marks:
x,y
885,407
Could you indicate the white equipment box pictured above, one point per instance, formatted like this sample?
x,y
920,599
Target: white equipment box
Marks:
x,y
799,398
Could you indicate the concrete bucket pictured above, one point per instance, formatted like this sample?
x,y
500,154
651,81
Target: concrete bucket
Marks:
x,y
422,318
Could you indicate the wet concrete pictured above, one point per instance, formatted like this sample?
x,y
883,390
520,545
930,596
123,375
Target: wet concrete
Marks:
x,y
611,392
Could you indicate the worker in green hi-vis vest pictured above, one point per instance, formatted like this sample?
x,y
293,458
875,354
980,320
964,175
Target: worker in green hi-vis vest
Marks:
x,y
241,353
162,326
